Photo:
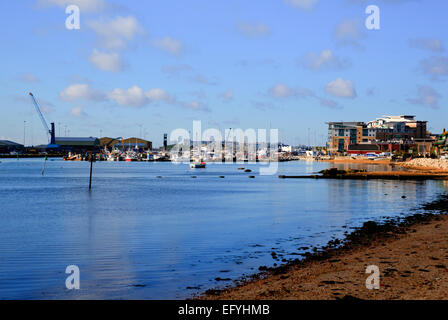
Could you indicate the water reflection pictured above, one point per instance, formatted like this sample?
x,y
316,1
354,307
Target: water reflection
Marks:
x,y
139,236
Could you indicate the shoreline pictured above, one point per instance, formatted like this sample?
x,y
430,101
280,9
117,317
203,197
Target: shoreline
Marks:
x,y
30,156
349,160
411,253
425,164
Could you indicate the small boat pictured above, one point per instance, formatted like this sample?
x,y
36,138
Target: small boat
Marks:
x,y
198,165
72,158
130,156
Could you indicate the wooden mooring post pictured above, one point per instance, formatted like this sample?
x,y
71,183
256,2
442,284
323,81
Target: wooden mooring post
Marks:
x,y
91,159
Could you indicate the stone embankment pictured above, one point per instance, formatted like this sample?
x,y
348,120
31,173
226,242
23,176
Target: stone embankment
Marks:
x,y
427,163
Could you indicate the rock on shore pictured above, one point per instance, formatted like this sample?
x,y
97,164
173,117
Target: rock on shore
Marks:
x,y
427,163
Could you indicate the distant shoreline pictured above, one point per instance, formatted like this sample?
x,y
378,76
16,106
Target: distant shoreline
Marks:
x,y
29,156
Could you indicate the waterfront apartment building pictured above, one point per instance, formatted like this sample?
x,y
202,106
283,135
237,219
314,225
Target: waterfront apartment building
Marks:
x,y
389,128
343,134
388,133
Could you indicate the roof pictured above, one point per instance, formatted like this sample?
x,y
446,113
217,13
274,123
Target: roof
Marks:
x,y
134,140
108,142
363,147
130,144
10,143
75,141
346,124
403,118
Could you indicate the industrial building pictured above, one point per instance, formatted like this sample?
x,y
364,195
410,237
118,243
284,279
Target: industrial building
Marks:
x,y
6,147
77,145
125,144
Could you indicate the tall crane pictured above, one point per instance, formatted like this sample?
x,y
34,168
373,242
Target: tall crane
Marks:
x,y
50,132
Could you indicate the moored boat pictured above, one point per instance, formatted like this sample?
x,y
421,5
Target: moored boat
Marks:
x,y
198,165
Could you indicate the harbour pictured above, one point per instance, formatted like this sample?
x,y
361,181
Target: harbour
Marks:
x,y
189,152
150,231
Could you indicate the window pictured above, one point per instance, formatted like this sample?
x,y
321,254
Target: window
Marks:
x,y
341,145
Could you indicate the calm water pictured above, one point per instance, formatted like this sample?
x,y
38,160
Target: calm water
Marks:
x,y
136,236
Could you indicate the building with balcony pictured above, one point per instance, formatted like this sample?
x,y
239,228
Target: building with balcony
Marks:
x,y
388,133
343,134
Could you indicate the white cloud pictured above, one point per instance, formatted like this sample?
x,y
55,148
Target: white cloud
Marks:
x,y
228,95
324,60
428,44
349,32
115,33
136,97
46,107
84,5
81,92
29,78
301,4
107,61
341,88
427,96
252,30
170,45
193,105
159,95
284,91
196,106
281,91
204,80
384,1
78,112
331,104
435,67
175,70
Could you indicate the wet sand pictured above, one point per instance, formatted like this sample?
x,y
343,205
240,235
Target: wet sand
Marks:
x,y
412,257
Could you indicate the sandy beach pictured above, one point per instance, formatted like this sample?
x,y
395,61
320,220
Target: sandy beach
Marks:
x,y
412,266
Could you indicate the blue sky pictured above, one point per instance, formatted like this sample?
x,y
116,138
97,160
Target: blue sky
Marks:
x,y
153,66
